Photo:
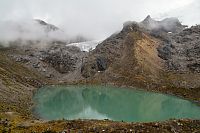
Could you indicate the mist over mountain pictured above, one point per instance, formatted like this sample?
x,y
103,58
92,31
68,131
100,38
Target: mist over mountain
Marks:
x,y
188,14
34,31
30,30
96,19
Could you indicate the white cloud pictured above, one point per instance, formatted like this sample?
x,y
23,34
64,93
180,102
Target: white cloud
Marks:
x,y
28,30
188,14
93,18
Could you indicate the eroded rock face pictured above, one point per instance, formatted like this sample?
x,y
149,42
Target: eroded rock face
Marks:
x,y
51,61
182,50
61,59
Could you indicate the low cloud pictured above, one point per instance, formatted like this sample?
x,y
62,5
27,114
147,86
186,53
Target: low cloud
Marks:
x,y
188,14
89,18
28,30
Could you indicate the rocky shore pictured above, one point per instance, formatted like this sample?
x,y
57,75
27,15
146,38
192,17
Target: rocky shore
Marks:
x,y
20,125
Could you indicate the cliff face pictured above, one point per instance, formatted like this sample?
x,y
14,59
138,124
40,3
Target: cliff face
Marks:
x,y
149,55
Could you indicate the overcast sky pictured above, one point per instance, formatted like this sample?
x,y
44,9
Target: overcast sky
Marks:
x,y
97,18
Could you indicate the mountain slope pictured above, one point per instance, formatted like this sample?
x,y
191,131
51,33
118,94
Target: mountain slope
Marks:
x,y
16,85
139,56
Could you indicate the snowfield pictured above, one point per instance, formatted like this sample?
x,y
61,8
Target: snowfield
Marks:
x,y
86,46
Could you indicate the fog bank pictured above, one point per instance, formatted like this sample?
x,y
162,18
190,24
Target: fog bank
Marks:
x,y
90,18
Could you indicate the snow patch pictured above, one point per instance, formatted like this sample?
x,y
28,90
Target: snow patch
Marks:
x,y
86,46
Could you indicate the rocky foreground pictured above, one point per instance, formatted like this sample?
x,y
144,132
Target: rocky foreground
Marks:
x,y
18,124
161,56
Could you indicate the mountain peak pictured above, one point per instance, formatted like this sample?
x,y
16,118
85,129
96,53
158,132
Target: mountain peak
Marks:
x,y
166,25
49,27
148,19
40,21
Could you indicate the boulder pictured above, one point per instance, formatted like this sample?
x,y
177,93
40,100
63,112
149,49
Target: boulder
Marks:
x,y
101,63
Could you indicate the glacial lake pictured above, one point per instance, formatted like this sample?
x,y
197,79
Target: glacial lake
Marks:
x,y
107,102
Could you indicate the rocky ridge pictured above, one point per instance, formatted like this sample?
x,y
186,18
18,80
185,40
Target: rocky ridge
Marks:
x,y
157,55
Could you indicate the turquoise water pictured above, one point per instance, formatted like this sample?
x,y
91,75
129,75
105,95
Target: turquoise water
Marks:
x,y
105,102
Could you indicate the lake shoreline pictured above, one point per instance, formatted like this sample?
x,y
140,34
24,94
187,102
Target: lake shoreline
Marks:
x,y
109,102
183,125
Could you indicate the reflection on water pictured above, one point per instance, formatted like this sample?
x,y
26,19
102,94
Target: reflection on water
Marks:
x,y
98,102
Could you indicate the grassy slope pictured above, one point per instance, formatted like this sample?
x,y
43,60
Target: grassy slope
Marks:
x,y
16,85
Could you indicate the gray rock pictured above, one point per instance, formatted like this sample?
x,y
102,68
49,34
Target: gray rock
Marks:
x,y
183,54
101,63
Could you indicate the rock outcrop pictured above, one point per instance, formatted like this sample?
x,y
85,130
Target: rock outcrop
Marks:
x,y
166,25
182,51
61,59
